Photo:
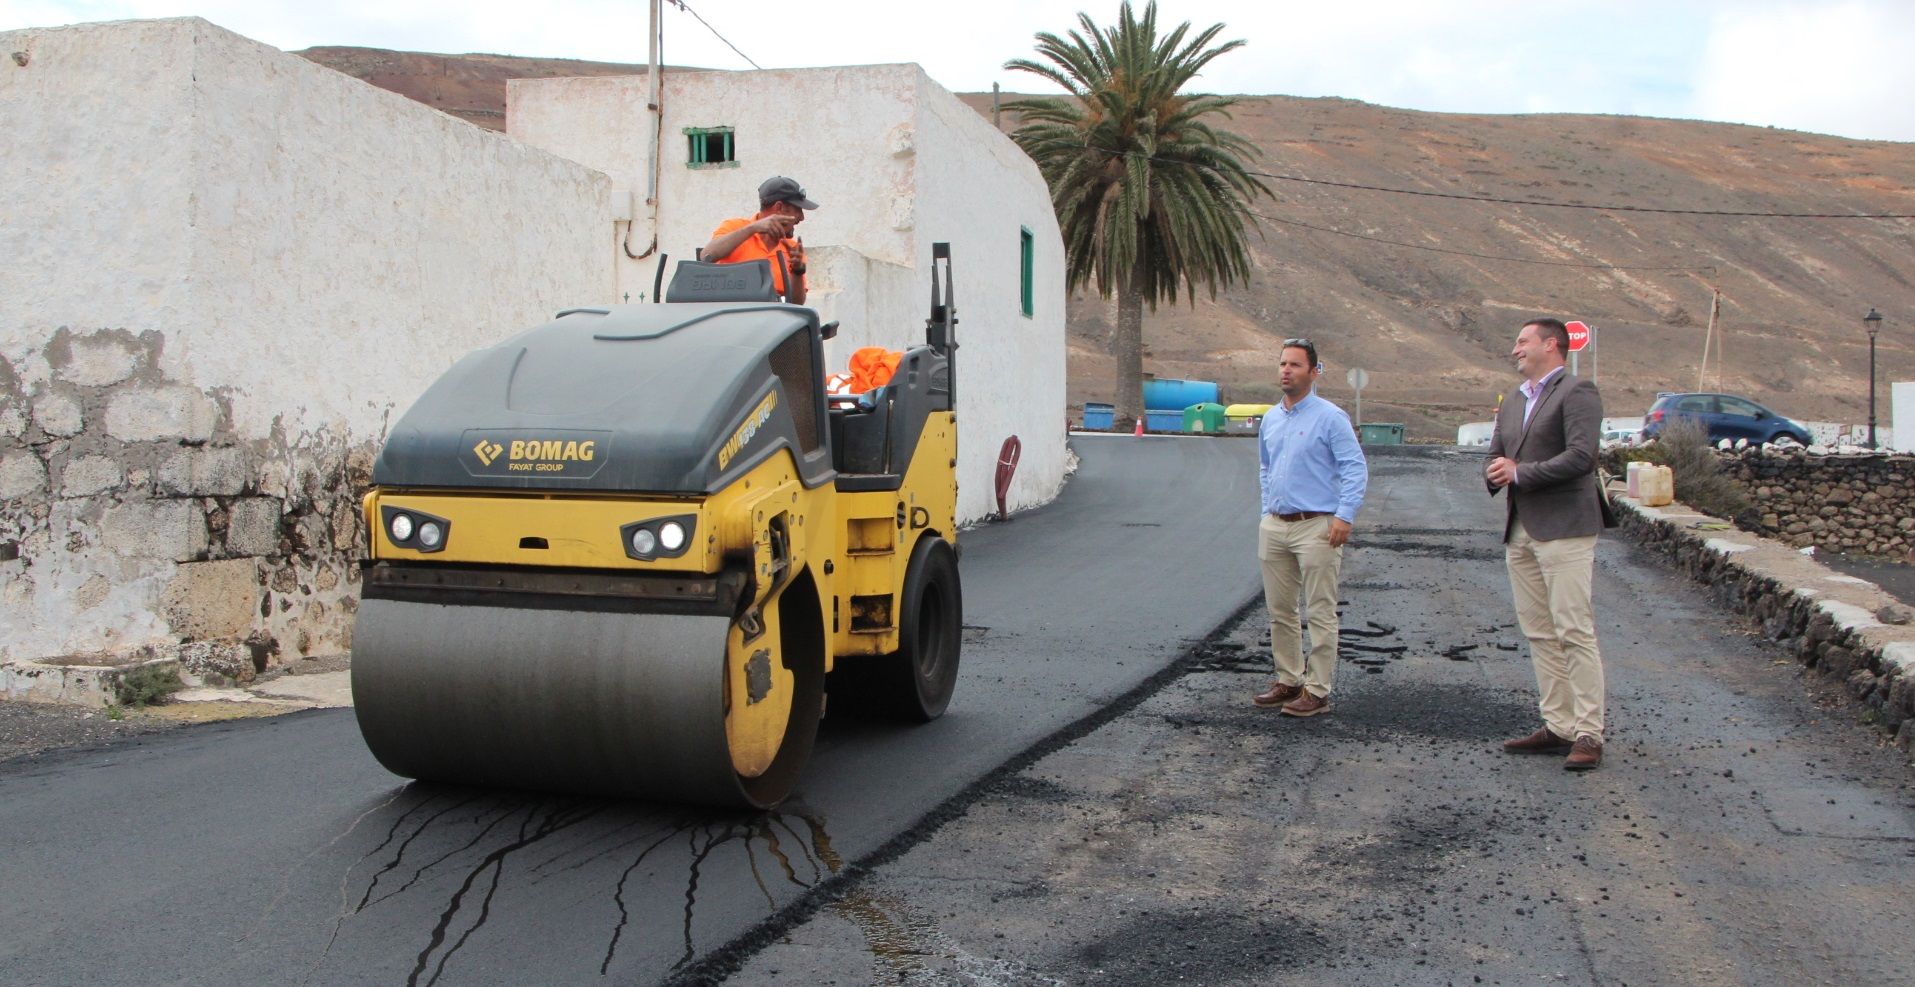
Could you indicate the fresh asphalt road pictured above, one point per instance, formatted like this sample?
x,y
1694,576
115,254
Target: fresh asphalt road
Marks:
x,y
1749,827
278,851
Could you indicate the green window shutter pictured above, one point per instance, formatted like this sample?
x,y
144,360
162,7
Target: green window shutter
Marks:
x,y
1027,249
710,147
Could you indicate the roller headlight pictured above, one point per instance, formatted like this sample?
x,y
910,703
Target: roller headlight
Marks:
x,y
659,537
414,530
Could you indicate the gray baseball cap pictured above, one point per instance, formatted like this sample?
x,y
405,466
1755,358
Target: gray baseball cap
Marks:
x,y
778,188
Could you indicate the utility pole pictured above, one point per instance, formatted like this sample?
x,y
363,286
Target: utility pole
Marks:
x,y
1873,323
994,107
1715,310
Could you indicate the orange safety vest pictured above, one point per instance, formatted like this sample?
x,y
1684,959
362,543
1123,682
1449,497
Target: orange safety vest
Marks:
x,y
872,367
753,248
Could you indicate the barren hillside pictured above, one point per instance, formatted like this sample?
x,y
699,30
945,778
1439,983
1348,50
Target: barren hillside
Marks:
x,y
1430,315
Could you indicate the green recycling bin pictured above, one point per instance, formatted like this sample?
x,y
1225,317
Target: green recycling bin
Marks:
x,y
1204,417
1380,433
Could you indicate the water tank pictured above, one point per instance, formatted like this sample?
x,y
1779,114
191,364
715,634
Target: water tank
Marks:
x,y
1171,394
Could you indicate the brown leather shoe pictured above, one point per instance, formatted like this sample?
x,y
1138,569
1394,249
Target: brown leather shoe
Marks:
x,y
1585,755
1306,705
1543,741
1278,695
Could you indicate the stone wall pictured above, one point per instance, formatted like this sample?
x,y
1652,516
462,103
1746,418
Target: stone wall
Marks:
x,y
127,492
1849,503
1845,643
227,269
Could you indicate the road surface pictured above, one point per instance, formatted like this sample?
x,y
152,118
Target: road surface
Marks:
x,y
278,851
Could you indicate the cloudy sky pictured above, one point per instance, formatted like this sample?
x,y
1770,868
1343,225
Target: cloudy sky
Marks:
x,y
1833,66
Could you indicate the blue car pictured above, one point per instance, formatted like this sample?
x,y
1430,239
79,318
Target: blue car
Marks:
x,y
1723,416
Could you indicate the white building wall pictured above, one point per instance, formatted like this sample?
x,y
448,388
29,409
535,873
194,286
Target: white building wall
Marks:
x,y
844,133
227,269
1901,413
895,163
977,189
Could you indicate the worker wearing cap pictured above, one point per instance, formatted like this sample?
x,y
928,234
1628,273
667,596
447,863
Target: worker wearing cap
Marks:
x,y
768,236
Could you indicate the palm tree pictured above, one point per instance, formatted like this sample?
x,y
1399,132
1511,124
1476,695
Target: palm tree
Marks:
x,y
1150,196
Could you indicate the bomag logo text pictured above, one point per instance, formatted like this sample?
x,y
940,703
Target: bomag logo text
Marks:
x,y
542,455
747,431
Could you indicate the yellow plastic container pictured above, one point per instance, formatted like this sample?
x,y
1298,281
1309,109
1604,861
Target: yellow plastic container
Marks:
x,y
1656,486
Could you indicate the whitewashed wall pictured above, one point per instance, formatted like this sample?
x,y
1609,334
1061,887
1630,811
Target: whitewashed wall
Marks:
x,y
226,270
1901,414
895,163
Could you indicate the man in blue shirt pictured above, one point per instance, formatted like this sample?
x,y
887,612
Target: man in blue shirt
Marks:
x,y
1311,471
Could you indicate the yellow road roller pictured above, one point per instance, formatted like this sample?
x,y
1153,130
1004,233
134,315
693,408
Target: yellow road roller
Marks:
x,y
629,551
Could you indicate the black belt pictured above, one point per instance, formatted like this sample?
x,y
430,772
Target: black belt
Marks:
x,y
1302,515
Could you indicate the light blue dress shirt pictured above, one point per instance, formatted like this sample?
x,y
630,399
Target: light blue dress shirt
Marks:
x,y
1308,459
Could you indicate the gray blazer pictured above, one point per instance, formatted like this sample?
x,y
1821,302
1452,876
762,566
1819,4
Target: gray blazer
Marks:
x,y
1555,492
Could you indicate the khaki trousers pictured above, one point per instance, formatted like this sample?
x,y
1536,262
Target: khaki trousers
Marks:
x,y
1296,555
1550,580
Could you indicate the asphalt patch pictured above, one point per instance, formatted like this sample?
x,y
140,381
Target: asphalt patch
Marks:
x,y
1415,846
1200,946
1431,711
1435,550
1032,789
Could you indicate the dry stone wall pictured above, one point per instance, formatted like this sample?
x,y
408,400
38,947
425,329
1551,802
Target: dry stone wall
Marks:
x,y
1849,503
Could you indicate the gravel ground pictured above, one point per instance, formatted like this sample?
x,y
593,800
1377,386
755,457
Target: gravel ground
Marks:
x,y
32,728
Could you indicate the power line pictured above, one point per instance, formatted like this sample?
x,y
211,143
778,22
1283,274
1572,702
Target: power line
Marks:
x,y
1468,253
681,5
1465,197
1575,205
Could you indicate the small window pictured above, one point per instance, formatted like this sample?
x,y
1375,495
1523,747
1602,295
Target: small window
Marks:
x,y
1026,249
710,147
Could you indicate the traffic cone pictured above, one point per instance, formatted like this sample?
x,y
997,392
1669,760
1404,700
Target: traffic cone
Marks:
x,y
1140,427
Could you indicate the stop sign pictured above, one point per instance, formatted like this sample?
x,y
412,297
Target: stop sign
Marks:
x,y
1578,336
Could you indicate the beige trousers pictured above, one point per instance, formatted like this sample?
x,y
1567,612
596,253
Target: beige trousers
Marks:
x,y
1296,555
1551,580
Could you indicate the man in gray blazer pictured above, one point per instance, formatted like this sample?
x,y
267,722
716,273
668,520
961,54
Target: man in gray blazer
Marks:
x,y
1544,453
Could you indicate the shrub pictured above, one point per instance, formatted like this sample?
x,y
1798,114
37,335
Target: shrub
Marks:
x,y
147,684
1616,459
1684,447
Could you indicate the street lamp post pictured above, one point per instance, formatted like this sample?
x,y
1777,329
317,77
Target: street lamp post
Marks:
x,y
1873,323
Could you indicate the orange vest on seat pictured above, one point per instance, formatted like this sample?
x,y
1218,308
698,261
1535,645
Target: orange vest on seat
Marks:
x,y
872,367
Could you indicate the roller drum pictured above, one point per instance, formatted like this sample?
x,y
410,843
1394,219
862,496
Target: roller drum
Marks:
x,y
606,703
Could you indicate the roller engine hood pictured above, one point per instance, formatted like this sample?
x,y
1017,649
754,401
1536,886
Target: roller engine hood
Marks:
x,y
675,399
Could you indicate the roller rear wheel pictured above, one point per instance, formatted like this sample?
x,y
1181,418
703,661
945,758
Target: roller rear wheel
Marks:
x,y
915,682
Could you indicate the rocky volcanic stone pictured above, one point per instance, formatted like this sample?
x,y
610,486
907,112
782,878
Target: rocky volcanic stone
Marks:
x,y
59,415
204,473
160,529
254,526
159,413
86,476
